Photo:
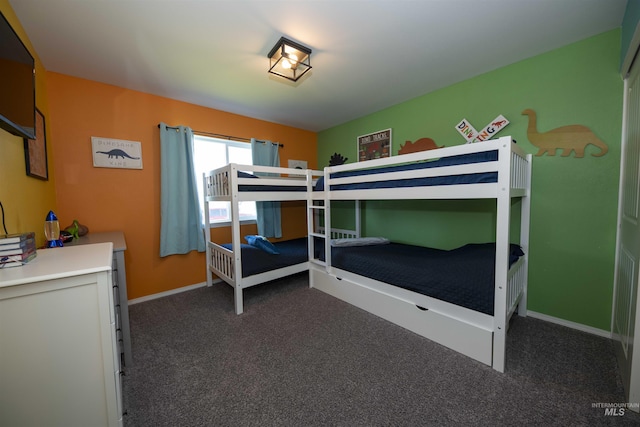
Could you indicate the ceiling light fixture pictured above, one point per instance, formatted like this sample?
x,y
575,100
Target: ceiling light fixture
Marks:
x,y
289,59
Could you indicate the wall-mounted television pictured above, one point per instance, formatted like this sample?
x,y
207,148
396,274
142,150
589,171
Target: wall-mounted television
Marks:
x,y
17,84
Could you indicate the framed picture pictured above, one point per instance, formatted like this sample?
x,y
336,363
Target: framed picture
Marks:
x,y
374,145
116,153
35,151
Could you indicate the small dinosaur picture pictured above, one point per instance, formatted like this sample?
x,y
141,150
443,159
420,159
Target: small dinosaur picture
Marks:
x,y
566,138
116,153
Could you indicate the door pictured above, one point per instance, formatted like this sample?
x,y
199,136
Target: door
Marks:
x,y
624,323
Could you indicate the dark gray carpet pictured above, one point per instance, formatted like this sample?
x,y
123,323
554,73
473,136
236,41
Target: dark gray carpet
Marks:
x,y
299,357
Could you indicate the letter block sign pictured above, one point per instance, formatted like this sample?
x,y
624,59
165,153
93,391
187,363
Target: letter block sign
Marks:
x,y
488,132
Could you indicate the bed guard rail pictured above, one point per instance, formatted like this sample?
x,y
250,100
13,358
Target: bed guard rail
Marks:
x,y
507,148
221,182
340,233
221,262
516,285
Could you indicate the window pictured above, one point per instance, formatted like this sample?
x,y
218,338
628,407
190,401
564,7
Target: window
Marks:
x,y
212,153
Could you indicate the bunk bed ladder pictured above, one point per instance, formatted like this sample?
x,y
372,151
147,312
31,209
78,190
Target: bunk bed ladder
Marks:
x,y
316,230
315,210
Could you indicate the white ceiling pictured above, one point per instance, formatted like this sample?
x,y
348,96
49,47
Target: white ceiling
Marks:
x,y
367,54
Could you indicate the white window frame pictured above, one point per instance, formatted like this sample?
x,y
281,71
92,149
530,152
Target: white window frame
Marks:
x,y
199,171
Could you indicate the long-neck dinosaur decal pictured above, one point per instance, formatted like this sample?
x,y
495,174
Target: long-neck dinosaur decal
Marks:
x,y
567,138
117,153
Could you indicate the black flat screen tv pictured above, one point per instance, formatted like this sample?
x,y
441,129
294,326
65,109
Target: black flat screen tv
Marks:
x,y
17,84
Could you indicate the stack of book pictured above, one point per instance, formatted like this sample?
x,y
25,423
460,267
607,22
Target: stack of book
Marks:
x,y
17,249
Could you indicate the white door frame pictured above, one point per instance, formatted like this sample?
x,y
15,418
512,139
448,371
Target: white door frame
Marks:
x,y
625,322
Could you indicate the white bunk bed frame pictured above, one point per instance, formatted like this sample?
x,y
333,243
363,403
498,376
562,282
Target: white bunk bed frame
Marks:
x,y
469,332
222,185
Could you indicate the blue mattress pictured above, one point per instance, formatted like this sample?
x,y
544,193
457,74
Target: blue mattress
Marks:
x,y
255,261
464,276
279,188
474,178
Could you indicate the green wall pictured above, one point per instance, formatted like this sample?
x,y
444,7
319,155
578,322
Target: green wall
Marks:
x,y
629,24
574,200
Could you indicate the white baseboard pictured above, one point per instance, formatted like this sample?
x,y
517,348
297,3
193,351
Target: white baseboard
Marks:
x,y
569,324
166,293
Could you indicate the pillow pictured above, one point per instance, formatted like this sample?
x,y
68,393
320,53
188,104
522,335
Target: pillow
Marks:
x,y
515,253
360,241
261,243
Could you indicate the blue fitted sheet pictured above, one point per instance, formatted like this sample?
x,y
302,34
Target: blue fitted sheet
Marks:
x,y
255,261
473,178
245,187
464,276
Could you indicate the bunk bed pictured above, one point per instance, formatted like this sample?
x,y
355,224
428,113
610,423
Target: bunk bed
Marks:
x,y
238,263
474,325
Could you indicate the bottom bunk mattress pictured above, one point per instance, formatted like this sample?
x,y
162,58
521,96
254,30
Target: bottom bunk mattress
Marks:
x,y
256,261
464,276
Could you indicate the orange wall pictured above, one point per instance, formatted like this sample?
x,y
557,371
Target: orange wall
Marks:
x,y
129,200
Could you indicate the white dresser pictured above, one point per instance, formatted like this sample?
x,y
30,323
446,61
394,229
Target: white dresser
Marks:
x,y
120,285
59,357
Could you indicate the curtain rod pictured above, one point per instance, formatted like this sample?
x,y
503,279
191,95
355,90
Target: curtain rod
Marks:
x,y
218,135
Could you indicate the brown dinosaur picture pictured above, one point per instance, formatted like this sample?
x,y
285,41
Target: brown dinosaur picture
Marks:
x,y
422,144
566,138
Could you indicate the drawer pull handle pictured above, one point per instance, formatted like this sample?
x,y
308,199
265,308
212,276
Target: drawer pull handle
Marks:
x,y
422,308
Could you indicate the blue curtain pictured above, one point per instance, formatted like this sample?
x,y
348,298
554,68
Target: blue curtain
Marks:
x,y
180,218
265,153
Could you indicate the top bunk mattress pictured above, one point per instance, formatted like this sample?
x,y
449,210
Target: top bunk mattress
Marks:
x,y
270,188
463,159
464,276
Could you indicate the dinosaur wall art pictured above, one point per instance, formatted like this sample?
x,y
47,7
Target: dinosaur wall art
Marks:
x,y
566,138
422,144
116,153
374,145
337,159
